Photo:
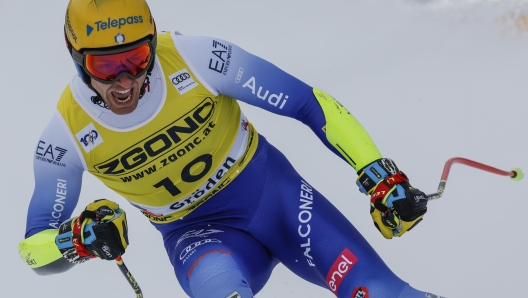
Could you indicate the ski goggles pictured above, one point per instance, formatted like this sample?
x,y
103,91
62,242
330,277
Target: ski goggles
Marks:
x,y
108,65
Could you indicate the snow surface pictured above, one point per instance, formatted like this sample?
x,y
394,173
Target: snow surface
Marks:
x,y
429,80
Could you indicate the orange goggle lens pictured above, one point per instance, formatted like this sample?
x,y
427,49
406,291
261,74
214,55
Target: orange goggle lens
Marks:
x,y
108,67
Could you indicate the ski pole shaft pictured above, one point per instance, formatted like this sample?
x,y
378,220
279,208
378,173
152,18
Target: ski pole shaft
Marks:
x,y
131,280
515,174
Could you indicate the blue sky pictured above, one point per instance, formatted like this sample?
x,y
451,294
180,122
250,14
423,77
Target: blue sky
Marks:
x,y
429,80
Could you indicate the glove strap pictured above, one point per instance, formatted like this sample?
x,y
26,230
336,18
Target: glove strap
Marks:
x,y
386,186
65,243
77,237
372,174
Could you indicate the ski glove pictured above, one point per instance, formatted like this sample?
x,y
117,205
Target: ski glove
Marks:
x,y
100,231
395,206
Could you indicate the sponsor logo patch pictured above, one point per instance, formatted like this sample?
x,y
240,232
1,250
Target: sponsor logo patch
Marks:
x,y
174,137
119,38
339,270
114,23
89,138
182,81
360,292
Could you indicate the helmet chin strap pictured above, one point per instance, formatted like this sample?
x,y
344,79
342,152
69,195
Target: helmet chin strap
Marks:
x,y
146,86
98,99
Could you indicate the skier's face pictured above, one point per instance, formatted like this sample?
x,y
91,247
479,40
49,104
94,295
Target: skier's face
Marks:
x,y
122,96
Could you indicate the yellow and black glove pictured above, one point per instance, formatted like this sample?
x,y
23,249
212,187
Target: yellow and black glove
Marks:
x,y
395,206
100,231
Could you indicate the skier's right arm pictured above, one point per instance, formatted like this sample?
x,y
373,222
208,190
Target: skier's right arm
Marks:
x,y
58,173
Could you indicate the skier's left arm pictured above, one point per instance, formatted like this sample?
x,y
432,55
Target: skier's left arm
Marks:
x,y
227,69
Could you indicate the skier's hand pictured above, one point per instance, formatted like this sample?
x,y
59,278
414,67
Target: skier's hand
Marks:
x,y
100,231
395,206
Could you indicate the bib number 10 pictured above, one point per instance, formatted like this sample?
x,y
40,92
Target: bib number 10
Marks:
x,y
206,161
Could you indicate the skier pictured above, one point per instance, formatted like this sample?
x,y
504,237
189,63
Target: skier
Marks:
x,y
154,117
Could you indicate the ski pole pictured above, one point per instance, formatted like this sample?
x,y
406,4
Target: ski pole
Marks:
x,y
131,280
515,174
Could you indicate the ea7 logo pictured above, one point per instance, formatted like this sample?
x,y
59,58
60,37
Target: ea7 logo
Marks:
x,y
48,152
89,138
221,57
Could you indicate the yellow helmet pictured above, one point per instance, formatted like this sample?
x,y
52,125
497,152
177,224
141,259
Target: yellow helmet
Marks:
x,y
106,25
96,23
